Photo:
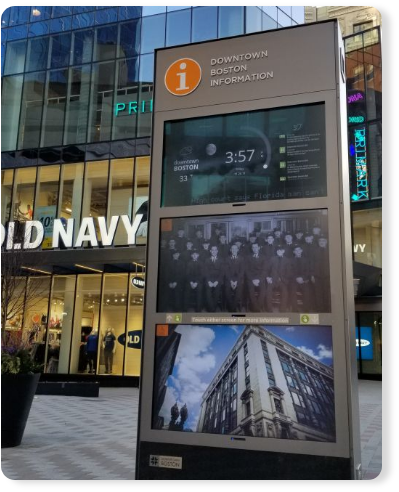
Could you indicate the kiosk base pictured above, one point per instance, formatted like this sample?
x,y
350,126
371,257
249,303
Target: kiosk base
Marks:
x,y
207,463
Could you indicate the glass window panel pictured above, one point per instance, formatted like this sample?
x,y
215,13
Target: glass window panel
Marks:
x,y
5,17
82,47
60,50
120,200
287,10
106,41
367,236
31,112
101,103
105,16
77,105
70,193
129,12
48,179
80,21
39,29
126,106
271,12
79,10
15,57
374,91
253,19
283,19
60,324
375,158
129,41
180,7
113,324
145,110
85,340
10,109
17,32
40,13
6,194
24,193
298,14
373,320
204,23
141,194
147,68
13,303
19,15
95,190
59,11
178,27
54,108
37,54
61,24
153,10
134,329
231,21
152,33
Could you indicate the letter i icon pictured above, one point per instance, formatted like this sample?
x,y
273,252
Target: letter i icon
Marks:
x,y
182,78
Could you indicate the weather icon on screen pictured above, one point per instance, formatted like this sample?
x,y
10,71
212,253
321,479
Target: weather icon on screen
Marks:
x,y
211,149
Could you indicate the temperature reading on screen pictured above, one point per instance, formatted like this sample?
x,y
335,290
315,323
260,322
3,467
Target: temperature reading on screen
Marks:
x,y
239,156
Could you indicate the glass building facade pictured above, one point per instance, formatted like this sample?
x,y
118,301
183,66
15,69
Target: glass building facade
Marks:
x,y
77,90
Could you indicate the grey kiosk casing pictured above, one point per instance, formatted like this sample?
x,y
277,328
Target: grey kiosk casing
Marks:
x,y
306,64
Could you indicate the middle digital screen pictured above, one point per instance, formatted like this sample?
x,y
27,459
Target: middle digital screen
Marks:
x,y
258,262
271,154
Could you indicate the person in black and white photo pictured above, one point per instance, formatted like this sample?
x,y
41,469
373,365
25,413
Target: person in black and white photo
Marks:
x,y
234,280
299,280
277,279
174,279
193,289
213,279
255,279
320,275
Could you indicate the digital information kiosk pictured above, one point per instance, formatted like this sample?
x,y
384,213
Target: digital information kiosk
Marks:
x,y
249,357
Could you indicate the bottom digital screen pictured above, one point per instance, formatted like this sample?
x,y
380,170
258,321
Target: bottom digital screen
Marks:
x,y
245,380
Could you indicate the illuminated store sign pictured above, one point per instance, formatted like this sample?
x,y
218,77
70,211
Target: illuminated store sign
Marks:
x,y
133,107
356,119
63,232
355,97
365,342
360,154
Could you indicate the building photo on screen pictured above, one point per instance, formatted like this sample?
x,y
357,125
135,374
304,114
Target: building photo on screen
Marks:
x,y
260,262
256,381
269,154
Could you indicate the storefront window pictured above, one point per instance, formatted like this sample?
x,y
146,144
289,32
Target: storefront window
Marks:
x,y
71,190
10,110
369,343
141,193
367,236
24,193
134,329
6,194
46,200
60,324
113,324
95,190
121,195
13,302
84,353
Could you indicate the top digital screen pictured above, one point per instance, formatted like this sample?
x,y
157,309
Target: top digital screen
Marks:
x,y
270,154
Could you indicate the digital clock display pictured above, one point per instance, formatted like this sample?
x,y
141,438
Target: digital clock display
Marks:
x,y
259,155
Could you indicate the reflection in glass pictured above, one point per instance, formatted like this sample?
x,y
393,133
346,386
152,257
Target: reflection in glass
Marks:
x,y
141,193
178,27
120,195
231,21
113,324
145,106
204,23
82,47
77,105
60,324
106,39
54,108
14,302
31,113
37,54
46,200
129,41
15,57
134,328
253,19
101,102
10,109
60,50
24,193
84,351
152,33
6,194
367,236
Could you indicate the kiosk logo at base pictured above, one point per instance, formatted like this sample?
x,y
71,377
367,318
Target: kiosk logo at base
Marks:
x,y
174,462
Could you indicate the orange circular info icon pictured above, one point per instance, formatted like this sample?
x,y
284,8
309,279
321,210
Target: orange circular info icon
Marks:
x,y
183,77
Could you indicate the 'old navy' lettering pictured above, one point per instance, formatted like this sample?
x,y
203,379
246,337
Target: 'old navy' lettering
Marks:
x,y
63,232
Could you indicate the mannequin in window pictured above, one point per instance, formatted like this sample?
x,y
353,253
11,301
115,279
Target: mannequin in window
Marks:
x,y
109,349
91,350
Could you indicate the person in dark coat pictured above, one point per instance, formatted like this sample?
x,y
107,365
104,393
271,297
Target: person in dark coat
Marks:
x,y
174,287
278,278
300,279
213,279
320,275
233,280
255,279
194,284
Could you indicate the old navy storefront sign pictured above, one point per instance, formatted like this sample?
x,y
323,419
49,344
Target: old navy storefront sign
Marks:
x,y
133,339
63,233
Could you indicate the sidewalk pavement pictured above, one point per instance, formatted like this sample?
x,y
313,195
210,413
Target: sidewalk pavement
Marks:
x,y
72,438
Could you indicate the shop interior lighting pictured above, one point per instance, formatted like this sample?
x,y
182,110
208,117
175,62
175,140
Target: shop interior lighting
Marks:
x,y
36,12
88,268
35,270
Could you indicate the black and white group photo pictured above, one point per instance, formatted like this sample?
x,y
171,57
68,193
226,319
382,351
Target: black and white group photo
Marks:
x,y
267,262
